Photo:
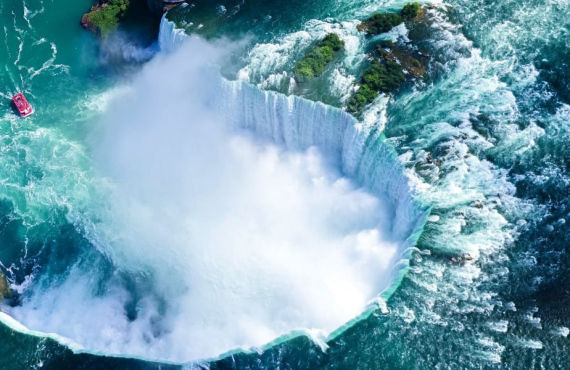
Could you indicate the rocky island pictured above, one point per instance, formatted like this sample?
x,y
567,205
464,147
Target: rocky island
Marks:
x,y
105,15
391,65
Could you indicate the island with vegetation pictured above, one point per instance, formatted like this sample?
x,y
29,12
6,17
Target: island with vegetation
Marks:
x,y
104,16
317,58
379,77
391,65
384,22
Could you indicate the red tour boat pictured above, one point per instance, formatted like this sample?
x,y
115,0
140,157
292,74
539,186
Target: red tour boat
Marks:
x,y
22,105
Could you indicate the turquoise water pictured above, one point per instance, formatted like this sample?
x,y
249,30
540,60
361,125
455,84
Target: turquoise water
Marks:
x,y
494,113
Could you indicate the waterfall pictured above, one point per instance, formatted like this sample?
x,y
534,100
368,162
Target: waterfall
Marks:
x,y
298,123
169,37
244,245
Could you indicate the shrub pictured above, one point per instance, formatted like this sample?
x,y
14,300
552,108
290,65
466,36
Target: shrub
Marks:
x,y
411,10
379,77
380,23
316,59
303,71
364,96
332,40
384,77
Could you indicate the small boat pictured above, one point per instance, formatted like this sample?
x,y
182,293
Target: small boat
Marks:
x,y
22,105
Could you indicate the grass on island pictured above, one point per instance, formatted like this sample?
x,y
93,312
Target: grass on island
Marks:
x,y
315,60
106,18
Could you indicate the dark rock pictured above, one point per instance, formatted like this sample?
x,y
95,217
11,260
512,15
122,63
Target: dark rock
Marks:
x,y
461,258
415,65
86,20
171,4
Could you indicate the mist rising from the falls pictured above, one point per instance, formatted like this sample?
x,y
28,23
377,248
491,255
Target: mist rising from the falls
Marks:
x,y
236,239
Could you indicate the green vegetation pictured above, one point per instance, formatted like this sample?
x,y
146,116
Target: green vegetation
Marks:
x,y
379,77
105,17
380,23
315,61
386,73
364,96
411,10
384,77
384,22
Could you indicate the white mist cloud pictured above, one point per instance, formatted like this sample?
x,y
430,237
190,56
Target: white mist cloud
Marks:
x,y
117,48
244,240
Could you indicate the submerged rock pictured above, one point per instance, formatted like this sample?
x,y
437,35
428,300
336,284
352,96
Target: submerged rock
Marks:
x,y
461,258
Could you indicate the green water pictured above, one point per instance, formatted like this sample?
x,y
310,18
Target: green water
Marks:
x,y
58,69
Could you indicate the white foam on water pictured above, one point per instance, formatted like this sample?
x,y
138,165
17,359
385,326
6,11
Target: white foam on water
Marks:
x,y
17,326
529,343
562,331
499,326
269,64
